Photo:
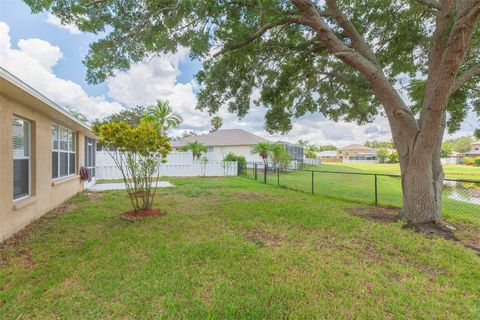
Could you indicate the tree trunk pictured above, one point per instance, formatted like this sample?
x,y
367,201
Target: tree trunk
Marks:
x,y
422,177
422,183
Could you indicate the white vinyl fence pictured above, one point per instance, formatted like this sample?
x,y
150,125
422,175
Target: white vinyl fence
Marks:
x,y
312,161
451,160
179,164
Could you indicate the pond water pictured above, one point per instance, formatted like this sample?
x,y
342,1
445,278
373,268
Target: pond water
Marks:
x,y
464,198
463,191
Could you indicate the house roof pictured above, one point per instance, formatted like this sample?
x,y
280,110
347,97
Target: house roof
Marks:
x,y
15,88
227,137
355,146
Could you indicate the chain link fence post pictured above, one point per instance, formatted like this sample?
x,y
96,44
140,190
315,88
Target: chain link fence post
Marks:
x,y
376,190
313,179
255,170
265,172
278,176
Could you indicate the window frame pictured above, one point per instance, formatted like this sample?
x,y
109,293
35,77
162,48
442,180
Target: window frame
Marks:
x,y
29,158
59,151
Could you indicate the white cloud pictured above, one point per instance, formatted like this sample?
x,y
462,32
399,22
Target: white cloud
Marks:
x,y
156,79
33,61
41,51
54,20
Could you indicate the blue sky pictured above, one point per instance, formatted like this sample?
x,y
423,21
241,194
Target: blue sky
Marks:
x,y
48,56
25,24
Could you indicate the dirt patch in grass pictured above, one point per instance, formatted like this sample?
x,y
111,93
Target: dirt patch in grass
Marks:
x,y
22,259
65,207
432,229
29,229
254,196
94,195
379,214
263,239
470,235
138,214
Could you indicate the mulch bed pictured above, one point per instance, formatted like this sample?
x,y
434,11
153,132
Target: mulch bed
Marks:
x,y
439,229
138,214
379,214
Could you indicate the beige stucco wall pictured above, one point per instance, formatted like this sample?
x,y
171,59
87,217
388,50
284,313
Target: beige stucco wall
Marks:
x,y
345,153
46,194
238,150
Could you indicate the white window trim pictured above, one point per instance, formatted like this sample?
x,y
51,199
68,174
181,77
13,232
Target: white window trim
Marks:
x,y
29,160
58,150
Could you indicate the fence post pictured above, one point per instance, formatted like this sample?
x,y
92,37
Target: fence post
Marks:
x,y
265,169
255,170
376,191
278,176
313,179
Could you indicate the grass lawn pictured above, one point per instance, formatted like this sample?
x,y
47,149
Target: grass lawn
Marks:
x,y
453,171
460,203
232,248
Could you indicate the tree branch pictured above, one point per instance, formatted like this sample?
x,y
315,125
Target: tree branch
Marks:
x,y
381,86
357,40
465,77
432,4
256,35
453,54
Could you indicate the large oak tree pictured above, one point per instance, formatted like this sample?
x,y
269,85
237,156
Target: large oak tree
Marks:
x,y
417,62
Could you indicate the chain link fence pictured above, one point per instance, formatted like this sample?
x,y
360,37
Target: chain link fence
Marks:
x,y
460,200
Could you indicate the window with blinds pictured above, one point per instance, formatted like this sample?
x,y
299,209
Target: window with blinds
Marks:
x,y
21,158
63,152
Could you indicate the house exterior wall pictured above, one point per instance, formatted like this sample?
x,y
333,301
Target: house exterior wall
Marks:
x,y
45,193
219,152
238,150
347,153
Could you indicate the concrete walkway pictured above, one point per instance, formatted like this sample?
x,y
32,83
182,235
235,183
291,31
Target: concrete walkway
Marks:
x,y
121,186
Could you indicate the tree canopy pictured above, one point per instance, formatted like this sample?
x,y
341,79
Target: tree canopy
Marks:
x,y
278,50
460,144
131,116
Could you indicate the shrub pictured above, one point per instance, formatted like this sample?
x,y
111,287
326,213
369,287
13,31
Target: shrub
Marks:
x,y
241,160
477,161
469,161
140,150
233,157
393,157
311,151
382,155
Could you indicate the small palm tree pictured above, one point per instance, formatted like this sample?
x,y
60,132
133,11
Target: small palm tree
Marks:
x,y
197,148
302,143
162,116
263,150
217,123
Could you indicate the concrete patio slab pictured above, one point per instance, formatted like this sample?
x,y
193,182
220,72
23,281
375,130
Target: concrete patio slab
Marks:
x,y
121,186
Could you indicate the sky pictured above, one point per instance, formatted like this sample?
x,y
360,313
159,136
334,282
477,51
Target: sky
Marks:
x,y
48,56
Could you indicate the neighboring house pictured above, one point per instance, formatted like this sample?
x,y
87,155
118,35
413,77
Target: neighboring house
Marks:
x,y
475,151
453,158
42,148
357,152
295,152
327,156
221,142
